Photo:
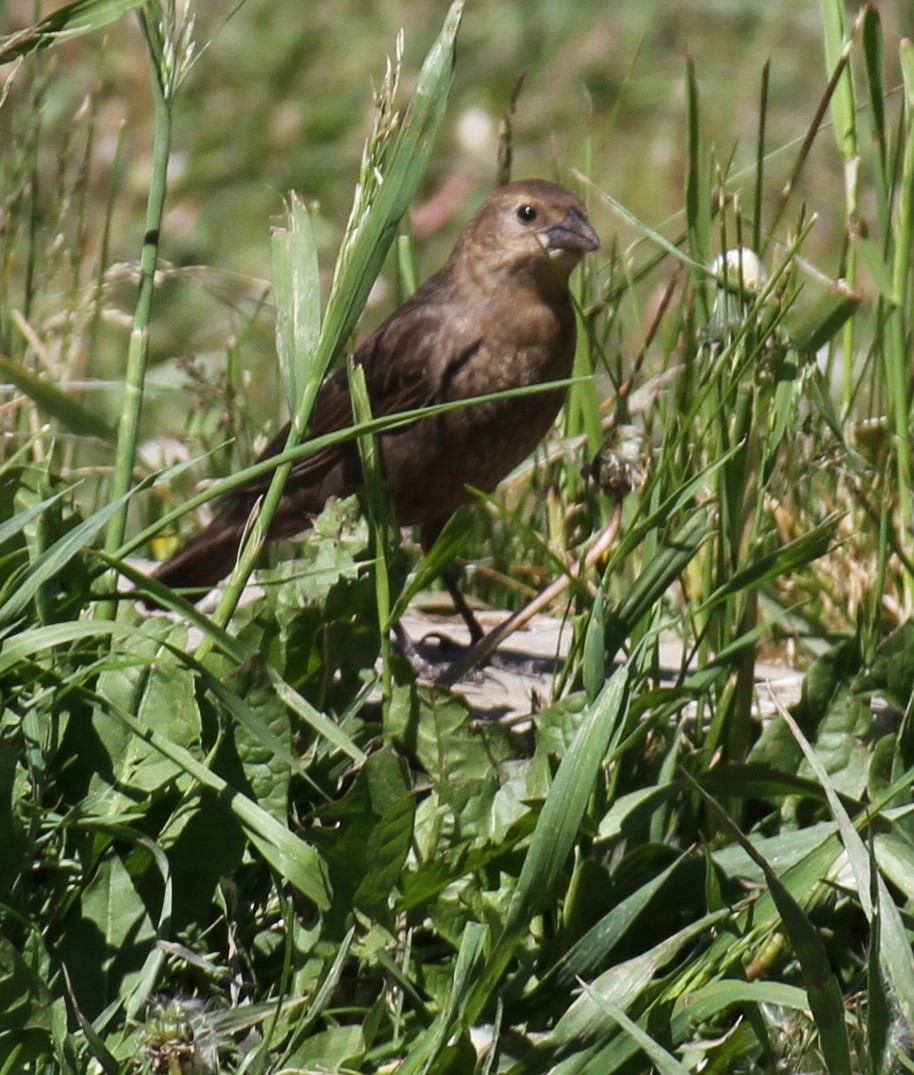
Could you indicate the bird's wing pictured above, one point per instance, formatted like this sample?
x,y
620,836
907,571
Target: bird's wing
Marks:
x,y
396,360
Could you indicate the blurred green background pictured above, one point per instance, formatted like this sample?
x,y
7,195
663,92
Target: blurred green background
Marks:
x,y
282,100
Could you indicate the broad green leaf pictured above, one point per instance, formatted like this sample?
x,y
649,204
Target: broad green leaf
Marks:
x,y
288,854
160,693
263,746
341,1048
385,854
27,1001
106,939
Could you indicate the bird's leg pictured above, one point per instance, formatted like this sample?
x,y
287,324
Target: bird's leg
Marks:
x,y
423,668
460,603
428,537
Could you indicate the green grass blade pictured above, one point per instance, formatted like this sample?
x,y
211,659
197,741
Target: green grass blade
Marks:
x,y
664,1063
49,563
378,509
819,325
138,347
371,237
23,519
708,1000
594,947
896,954
423,1053
843,102
67,22
698,181
878,1010
371,231
21,648
583,1029
563,810
797,553
267,467
51,400
296,295
558,825
822,986
671,560
448,546
897,355
293,859
874,68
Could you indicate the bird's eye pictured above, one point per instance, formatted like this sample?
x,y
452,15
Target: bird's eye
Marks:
x,y
526,214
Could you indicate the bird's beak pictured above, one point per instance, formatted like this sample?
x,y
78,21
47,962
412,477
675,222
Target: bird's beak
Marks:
x,y
574,233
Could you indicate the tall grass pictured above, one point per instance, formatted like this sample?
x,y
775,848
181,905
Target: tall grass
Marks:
x,y
251,840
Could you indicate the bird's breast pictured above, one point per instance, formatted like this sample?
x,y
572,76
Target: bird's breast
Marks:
x,y
430,464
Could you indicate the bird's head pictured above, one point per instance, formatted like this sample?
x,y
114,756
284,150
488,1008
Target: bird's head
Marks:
x,y
530,225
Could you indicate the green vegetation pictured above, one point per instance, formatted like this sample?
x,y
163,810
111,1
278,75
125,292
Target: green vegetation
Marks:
x,y
249,840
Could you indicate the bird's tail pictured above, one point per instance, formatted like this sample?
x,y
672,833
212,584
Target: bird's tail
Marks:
x,y
210,556
207,558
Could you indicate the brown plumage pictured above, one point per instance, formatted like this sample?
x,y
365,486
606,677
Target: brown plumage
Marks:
x,y
497,316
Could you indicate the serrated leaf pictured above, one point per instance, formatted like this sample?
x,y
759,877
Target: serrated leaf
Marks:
x,y
385,854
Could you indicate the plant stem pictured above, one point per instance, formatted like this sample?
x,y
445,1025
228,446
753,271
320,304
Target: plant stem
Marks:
x,y
138,350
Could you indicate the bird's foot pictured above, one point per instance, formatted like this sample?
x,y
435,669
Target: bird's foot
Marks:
x,y
433,663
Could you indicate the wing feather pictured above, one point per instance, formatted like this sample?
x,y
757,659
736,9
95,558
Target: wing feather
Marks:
x,y
397,359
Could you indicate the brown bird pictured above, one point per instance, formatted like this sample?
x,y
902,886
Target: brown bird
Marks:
x,y
497,316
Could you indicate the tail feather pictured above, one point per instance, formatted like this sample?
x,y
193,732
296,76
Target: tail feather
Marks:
x,y
204,561
209,556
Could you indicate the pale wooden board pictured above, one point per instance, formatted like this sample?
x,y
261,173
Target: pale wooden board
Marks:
x,y
519,681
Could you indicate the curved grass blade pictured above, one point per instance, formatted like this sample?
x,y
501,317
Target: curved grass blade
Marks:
x,y
67,22
670,561
558,825
51,400
293,859
822,987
